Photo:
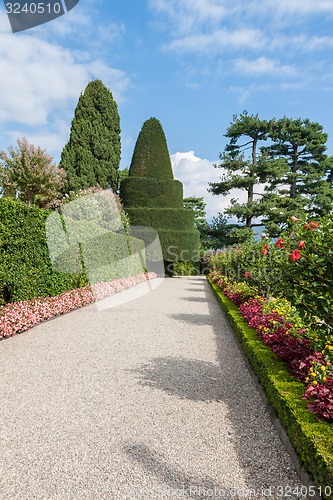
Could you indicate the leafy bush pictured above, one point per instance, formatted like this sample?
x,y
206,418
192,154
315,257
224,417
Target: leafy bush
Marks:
x,y
297,266
185,269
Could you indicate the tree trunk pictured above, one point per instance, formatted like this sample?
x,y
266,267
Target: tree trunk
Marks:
x,y
294,171
250,191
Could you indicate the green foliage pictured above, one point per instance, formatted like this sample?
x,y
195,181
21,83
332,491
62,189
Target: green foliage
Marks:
x,y
154,199
290,176
144,192
223,234
240,172
25,267
179,245
163,218
151,156
92,155
298,266
310,437
300,145
123,174
309,283
198,206
81,250
29,173
186,268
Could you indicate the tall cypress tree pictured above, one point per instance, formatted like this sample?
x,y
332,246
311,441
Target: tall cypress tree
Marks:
x,y
92,155
153,198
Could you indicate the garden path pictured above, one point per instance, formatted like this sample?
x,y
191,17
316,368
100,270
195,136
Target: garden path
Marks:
x,y
148,399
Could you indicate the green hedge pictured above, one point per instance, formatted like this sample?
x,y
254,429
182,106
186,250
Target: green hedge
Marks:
x,y
148,192
26,269
311,438
162,218
179,245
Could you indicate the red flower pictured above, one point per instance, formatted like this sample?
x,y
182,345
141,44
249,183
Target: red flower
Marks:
x,y
306,226
264,250
313,225
301,244
247,274
295,255
280,243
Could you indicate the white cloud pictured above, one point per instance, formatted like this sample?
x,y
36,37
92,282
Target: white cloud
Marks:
x,y
195,173
263,66
51,138
39,77
187,14
301,7
218,40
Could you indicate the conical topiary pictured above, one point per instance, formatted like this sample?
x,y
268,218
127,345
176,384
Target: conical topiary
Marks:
x,y
154,199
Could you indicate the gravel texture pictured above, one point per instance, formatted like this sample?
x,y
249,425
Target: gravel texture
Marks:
x,y
148,399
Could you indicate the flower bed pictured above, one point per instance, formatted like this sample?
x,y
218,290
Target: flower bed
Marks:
x,y
20,316
312,438
280,327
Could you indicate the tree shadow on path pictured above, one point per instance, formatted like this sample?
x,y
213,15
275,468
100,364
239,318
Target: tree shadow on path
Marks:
x,y
260,452
178,483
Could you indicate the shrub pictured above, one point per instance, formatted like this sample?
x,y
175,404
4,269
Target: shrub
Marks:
x,y
186,268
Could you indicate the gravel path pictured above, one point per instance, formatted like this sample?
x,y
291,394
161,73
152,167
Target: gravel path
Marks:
x,y
149,399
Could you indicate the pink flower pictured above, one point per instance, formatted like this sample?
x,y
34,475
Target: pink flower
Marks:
x,y
20,316
247,274
264,250
294,219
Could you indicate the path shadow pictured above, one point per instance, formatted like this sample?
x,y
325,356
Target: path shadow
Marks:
x,y
195,299
185,378
195,319
174,482
256,443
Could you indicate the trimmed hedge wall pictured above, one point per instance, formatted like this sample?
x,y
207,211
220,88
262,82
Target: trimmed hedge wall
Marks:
x,y
179,245
311,438
151,193
163,218
26,270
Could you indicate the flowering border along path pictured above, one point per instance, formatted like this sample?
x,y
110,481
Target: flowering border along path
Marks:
x,y
21,316
311,438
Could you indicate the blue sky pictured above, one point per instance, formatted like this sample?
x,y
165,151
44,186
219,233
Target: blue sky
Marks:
x,y
191,63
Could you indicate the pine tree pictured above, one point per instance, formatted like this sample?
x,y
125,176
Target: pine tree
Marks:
x,y
246,132
92,155
301,145
152,198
